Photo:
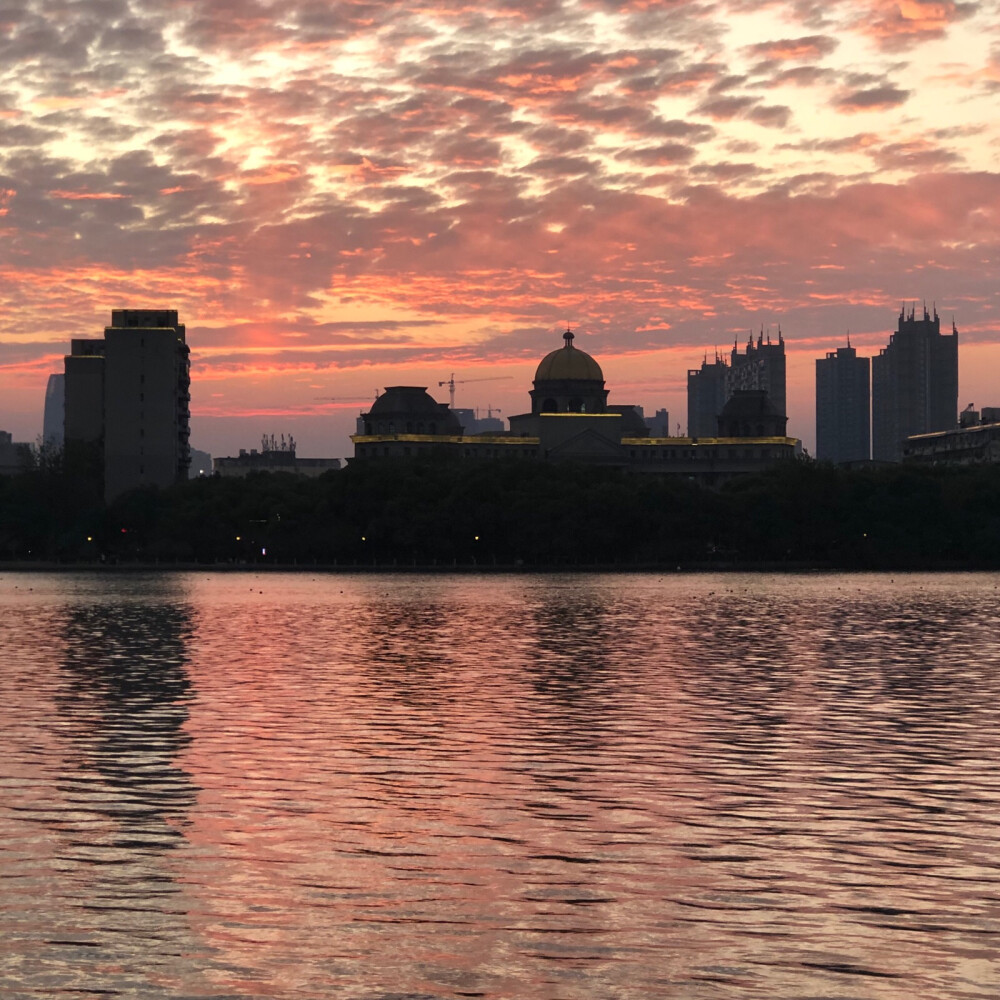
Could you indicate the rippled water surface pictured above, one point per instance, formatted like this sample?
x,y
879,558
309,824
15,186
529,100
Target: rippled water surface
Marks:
x,y
539,787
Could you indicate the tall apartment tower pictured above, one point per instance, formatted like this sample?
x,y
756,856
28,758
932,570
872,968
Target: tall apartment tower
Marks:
x,y
914,384
129,395
706,396
761,367
843,406
54,417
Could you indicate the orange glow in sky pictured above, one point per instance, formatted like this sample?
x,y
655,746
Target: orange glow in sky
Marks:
x,y
342,197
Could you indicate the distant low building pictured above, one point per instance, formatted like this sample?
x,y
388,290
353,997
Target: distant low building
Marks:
x,y
273,457
658,425
472,423
976,441
15,456
201,464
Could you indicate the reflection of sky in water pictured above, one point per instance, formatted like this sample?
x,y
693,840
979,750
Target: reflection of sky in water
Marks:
x,y
538,786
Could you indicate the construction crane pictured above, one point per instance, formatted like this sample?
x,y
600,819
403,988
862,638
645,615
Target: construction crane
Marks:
x,y
452,382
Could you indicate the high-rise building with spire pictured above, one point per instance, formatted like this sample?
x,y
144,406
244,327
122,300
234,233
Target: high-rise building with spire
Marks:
x,y
760,367
914,383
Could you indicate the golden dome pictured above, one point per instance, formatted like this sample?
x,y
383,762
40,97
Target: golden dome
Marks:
x,y
568,363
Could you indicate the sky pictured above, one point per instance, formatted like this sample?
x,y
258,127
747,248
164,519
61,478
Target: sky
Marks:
x,y
341,196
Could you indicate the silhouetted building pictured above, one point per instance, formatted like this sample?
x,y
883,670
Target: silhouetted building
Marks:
x,y
274,457
706,396
409,409
472,423
55,411
568,380
760,367
976,441
659,424
83,388
843,406
571,420
15,456
914,384
201,464
129,396
749,413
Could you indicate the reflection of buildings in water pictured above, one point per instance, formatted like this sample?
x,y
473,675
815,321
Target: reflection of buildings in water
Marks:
x,y
736,655
124,706
569,659
407,646
572,664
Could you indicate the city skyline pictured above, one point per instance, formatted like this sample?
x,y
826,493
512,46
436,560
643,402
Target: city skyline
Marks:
x,y
342,199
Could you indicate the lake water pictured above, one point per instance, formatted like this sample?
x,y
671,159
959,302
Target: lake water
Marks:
x,y
544,787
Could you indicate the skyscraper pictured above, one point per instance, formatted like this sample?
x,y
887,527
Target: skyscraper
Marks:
x,y
914,384
129,395
706,396
843,406
55,411
761,367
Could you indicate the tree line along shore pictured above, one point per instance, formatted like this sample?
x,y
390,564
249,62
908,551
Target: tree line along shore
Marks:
x,y
432,513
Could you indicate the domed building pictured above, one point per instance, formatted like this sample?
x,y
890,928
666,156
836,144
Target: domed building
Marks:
x,y
409,409
570,414
568,380
571,420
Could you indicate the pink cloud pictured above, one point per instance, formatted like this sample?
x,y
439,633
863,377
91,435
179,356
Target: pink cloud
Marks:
x,y
900,24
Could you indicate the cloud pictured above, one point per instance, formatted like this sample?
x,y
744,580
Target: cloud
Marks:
x,y
902,24
364,184
723,109
804,49
872,99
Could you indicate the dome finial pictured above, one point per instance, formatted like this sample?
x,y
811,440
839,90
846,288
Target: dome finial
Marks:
x,y
568,337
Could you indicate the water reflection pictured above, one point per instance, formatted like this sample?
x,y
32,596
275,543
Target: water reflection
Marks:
x,y
123,705
89,896
508,787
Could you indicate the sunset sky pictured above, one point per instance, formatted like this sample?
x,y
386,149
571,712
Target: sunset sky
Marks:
x,y
340,196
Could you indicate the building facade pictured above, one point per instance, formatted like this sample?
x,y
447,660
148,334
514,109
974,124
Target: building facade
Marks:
x,y
761,367
706,396
54,417
15,456
914,384
273,457
976,441
129,396
843,406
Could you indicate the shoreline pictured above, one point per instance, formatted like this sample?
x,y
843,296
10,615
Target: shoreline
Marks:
x,y
467,569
